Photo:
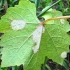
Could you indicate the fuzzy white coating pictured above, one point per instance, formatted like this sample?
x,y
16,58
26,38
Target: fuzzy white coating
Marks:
x,y
62,21
36,38
63,54
18,24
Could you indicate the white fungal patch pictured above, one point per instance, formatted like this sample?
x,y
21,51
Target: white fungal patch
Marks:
x,y
43,30
64,54
36,38
62,21
18,24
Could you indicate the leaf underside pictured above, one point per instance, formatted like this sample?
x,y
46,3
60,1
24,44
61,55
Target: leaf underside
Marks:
x,y
54,41
17,45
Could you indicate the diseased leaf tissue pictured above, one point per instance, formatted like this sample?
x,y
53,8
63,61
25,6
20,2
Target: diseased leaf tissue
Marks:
x,y
27,42
18,24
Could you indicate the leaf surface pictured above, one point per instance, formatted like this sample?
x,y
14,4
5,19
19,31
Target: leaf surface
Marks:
x,y
54,41
17,44
29,46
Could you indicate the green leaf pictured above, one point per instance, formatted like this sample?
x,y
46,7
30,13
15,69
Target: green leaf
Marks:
x,y
47,8
17,44
37,2
19,12
22,46
54,42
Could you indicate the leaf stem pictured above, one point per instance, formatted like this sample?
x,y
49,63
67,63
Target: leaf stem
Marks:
x,y
47,8
37,2
56,18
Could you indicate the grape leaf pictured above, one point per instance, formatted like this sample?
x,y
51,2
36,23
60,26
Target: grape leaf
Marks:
x,y
17,44
23,11
54,42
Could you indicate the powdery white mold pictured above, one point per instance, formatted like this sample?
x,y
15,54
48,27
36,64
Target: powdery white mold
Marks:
x,y
43,30
37,38
62,21
64,54
18,24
